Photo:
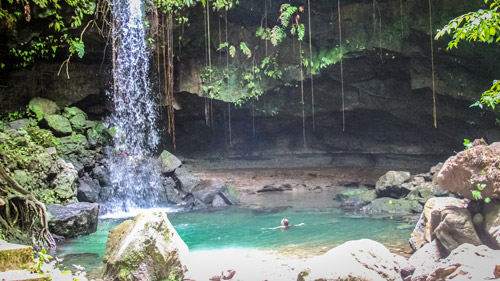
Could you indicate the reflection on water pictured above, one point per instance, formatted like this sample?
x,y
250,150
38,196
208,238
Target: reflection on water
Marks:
x,y
241,227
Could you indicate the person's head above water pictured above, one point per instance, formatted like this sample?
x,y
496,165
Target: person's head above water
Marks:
x,y
285,222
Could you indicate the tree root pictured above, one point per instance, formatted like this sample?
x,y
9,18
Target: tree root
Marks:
x,y
23,216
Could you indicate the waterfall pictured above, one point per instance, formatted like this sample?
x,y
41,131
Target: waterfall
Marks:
x,y
135,177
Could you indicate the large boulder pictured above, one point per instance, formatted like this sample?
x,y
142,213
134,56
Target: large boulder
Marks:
x,y
467,262
389,185
59,124
364,259
355,198
74,219
478,165
73,144
146,248
42,107
424,230
387,205
168,162
491,224
455,228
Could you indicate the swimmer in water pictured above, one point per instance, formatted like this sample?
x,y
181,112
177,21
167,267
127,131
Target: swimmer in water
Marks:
x,y
285,224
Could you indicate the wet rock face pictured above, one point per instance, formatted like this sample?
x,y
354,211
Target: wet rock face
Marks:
x,y
147,248
74,219
478,165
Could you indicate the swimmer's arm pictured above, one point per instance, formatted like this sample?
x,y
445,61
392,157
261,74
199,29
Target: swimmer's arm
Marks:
x,y
300,224
273,227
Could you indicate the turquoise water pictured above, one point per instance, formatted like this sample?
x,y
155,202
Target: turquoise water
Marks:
x,y
239,227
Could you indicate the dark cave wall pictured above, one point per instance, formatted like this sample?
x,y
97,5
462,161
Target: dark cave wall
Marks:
x,y
387,84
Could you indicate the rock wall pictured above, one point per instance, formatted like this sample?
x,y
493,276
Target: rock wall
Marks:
x,y
387,84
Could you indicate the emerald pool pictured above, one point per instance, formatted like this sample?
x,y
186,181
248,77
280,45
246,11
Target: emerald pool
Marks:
x,y
242,227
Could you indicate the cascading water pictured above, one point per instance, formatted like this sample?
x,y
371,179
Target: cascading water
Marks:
x,y
136,179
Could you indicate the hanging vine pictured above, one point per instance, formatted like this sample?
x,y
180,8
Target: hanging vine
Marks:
x,y
341,65
434,109
311,63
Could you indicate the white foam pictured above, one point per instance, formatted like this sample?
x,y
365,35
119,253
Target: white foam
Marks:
x,y
134,212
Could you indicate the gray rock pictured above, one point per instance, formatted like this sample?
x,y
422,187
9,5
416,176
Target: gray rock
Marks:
x,y
147,248
364,259
42,107
58,124
491,223
455,228
223,199
168,162
207,190
74,219
101,173
387,205
389,185
18,124
88,190
51,150
187,181
421,195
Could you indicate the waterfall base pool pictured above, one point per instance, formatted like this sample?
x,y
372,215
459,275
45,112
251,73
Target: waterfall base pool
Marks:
x,y
246,229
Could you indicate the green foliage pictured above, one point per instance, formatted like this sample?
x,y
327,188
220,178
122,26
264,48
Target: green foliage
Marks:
x,y
467,144
244,48
43,258
287,12
24,112
45,45
232,51
482,26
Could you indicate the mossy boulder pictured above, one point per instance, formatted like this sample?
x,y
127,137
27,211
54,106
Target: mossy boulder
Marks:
x,y
41,137
76,117
355,198
42,107
97,134
387,205
71,144
146,248
14,257
59,124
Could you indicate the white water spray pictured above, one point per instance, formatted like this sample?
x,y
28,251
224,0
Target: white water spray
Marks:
x,y
136,180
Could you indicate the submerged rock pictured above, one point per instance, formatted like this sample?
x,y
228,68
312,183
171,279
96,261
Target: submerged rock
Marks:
x,y
389,185
387,205
478,165
74,219
364,259
355,198
146,248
